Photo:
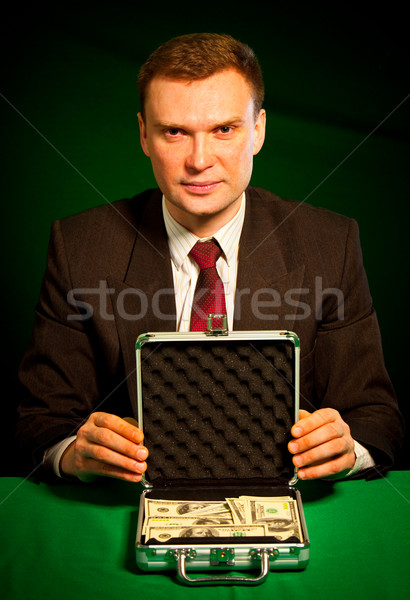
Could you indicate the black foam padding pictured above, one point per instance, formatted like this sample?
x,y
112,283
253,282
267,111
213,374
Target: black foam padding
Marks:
x,y
220,409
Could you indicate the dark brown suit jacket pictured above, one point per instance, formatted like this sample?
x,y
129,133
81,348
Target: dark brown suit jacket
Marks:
x,y
300,268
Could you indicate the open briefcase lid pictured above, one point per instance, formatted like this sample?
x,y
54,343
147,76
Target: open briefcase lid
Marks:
x,y
218,407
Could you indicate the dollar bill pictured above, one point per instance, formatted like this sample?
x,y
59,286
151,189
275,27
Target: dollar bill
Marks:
x,y
237,507
199,520
163,534
178,508
280,517
268,498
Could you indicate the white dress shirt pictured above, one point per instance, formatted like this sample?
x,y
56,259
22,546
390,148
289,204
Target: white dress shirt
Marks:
x,y
185,271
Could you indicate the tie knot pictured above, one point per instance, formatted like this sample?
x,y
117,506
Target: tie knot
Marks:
x,y
205,254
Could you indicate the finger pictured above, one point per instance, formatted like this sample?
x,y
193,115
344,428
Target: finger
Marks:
x,y
325,433
324,452
314,420
109,458
303,413
92,468
114,441
120,426
92,440
131,420
339,465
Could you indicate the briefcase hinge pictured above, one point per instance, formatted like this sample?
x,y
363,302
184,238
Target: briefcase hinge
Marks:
x,y
174,553
257,553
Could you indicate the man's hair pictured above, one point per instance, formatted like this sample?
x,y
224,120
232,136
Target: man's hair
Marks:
x,y
198,56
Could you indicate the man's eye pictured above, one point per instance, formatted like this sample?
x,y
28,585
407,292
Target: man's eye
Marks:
x,y
225,129
173,131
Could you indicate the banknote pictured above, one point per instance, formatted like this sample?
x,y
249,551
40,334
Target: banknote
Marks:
x,y
237,507
174,508
163,534
209,520
239,510
261,510
268,498
280,517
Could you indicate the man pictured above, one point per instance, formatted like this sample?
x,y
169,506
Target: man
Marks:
x,y
120,270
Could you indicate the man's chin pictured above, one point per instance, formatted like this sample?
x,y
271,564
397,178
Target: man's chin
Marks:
x,y
203,216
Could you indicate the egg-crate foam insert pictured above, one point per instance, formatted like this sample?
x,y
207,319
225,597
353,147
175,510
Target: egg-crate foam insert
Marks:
x,y
218,410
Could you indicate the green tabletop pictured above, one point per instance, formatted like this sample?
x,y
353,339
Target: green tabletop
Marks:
x,y
76,541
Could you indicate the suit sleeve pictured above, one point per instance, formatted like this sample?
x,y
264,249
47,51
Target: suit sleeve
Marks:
x,y
60,383
350,373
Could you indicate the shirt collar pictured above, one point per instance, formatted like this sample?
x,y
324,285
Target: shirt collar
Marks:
x,y
181,241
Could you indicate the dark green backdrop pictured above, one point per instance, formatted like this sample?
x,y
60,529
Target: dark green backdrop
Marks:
x,y
338,134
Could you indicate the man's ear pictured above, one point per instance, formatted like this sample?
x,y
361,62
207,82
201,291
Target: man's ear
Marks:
x,y
260,127
143,134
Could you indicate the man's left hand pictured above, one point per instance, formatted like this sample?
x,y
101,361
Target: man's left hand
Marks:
x,y
322,444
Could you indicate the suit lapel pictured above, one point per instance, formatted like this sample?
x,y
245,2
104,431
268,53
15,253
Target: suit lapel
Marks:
x,y
144,300
268,292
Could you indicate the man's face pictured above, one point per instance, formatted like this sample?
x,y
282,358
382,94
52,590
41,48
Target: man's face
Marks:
x,y
201,137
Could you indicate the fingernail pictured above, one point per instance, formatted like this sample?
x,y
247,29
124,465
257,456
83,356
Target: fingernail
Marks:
x,y
296,431
301,474
142,454
293,447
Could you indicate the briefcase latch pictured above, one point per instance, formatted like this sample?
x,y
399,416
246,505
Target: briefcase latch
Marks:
x,y
222,557
216,324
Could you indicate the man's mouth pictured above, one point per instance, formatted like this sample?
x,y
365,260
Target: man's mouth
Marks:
x,y
201,187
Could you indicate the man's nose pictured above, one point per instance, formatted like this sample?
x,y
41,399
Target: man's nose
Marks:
x,y
201,156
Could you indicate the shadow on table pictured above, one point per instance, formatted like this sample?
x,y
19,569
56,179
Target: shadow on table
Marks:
x,y
313,491
130,557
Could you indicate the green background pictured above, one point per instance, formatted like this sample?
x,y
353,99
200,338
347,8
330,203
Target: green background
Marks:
x,y
338,134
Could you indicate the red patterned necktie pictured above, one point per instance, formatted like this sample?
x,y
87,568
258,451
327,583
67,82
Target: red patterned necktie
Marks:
x,y
209,297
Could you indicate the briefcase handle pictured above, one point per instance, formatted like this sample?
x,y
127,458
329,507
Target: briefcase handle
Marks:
x,y
220,579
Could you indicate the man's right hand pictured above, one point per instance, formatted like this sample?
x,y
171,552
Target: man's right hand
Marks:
x,y
106,445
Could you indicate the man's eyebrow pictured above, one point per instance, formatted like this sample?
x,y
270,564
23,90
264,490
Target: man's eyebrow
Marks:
x,y
224,123
167,125
231,121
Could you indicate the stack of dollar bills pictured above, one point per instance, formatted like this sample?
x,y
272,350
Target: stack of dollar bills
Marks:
x,y
245,516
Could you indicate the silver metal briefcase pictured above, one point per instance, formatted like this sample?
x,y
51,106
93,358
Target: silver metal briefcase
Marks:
x,y
216,410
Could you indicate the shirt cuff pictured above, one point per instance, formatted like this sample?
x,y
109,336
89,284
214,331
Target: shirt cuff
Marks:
x,y
52,456
364,459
